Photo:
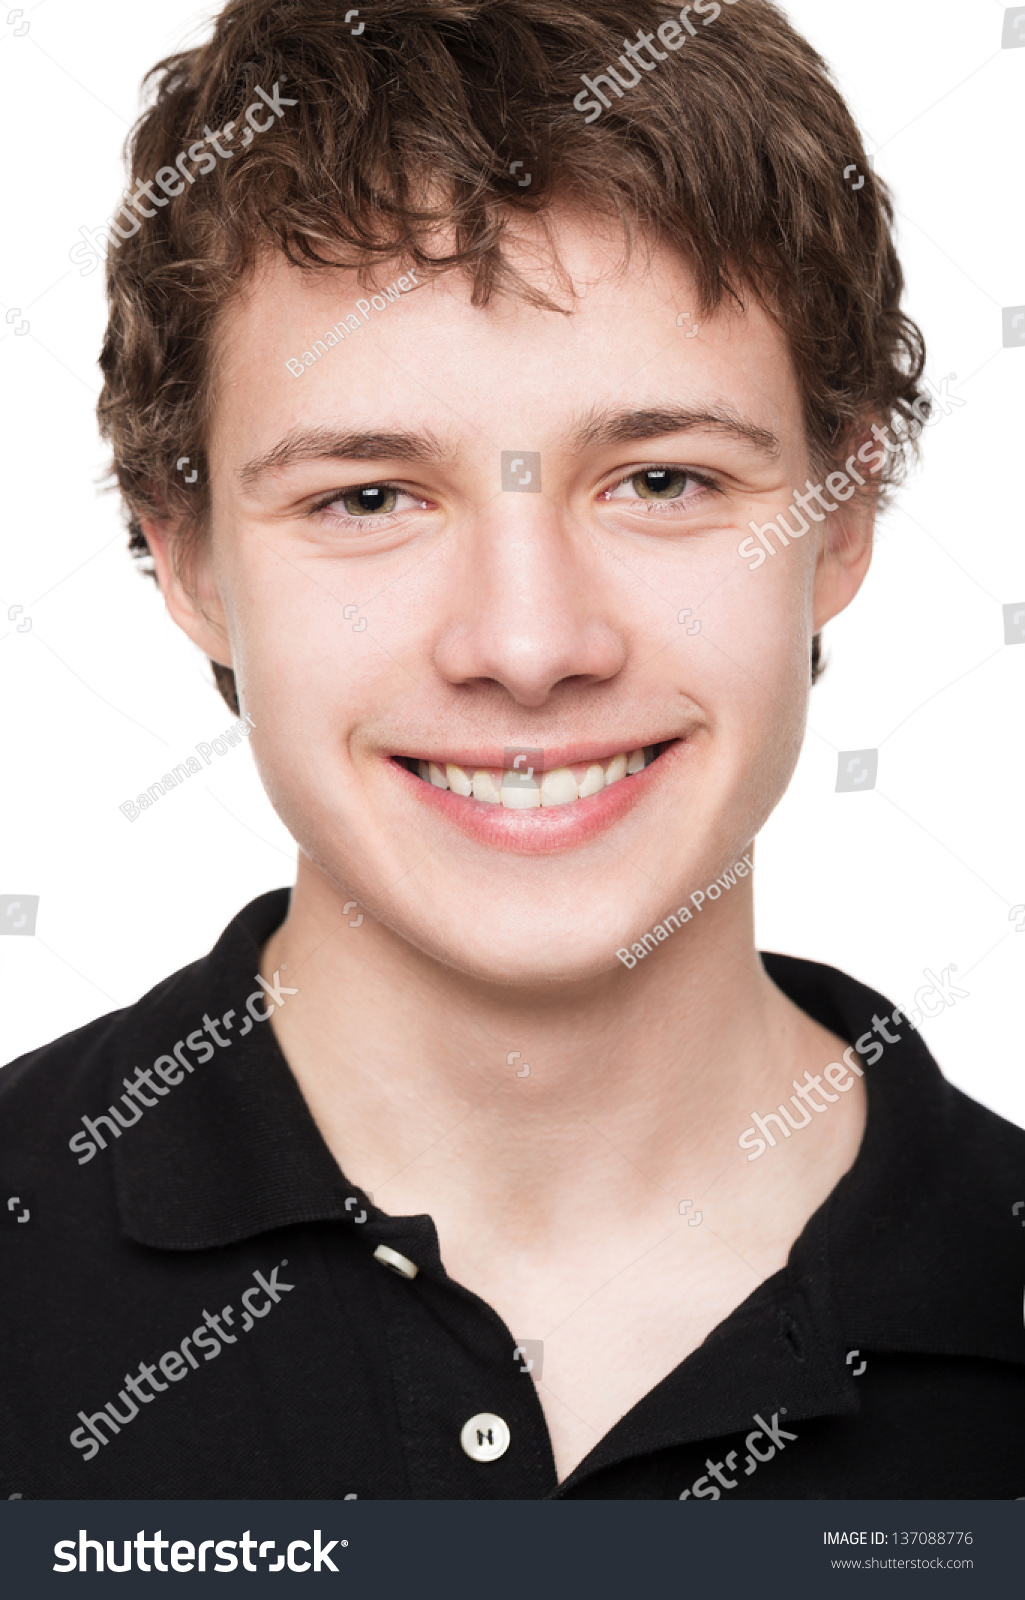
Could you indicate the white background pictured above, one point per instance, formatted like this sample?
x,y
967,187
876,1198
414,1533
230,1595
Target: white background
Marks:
x,y
102,695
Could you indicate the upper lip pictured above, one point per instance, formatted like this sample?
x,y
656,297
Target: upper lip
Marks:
x,y
553,755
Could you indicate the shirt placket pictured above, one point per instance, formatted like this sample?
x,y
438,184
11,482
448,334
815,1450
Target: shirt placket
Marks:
x,y
469,1417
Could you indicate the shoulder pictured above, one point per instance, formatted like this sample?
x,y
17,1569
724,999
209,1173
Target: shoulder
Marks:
x,y
908,1085
50,1089
53,1085
924,1238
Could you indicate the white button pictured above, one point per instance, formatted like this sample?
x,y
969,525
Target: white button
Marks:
x,y
400,1264
485,1437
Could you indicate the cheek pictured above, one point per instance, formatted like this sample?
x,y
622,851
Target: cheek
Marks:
x,y
757,656
306,670
770,646
291,619
762,618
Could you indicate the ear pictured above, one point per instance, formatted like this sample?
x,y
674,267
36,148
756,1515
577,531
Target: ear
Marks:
x,y
845,556
195,604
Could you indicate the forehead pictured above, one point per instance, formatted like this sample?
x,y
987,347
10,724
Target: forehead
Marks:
x,y
505,375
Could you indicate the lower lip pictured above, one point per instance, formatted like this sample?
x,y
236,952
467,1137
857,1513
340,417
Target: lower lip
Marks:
x,y
544,829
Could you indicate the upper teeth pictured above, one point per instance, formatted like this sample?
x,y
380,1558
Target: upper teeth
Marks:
x,y
519,790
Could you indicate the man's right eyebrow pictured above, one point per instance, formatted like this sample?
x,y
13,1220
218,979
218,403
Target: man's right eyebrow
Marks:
x,y
327,444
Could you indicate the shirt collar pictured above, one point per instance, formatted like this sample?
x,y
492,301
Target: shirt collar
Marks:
x,y
912,1251
915,1241
231,1151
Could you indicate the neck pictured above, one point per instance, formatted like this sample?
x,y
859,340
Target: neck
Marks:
x,y
435,1091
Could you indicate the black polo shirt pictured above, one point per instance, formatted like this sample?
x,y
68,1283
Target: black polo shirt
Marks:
x,y
195,1309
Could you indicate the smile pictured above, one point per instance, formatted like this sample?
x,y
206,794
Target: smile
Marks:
x,y
523,789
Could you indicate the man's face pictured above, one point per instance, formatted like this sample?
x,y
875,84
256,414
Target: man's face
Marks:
x,y
396,598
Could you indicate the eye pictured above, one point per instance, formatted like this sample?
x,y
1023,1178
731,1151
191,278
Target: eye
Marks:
x,y
364,504
666,486
659,483
375,497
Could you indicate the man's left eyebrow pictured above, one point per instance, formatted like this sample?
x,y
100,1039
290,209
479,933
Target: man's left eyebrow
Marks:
x,y
632,424
327,444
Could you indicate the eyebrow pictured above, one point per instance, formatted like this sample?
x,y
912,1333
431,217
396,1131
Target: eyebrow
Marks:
x,y
603,426
325,444
600,427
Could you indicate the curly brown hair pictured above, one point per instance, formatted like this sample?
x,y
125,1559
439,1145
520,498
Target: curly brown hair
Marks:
x,y
400,144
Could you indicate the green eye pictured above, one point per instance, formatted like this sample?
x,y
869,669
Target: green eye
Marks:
x,y
659,483
366,502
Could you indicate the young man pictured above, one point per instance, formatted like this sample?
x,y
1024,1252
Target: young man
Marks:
x,y
492,1160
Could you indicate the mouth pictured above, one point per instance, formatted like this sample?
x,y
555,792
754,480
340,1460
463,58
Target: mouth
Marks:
x,y
555,807
523,788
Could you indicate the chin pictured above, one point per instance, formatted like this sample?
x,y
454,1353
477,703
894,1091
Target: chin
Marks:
x,y
538,949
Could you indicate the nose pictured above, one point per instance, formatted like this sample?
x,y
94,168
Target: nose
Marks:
x,y
532,607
